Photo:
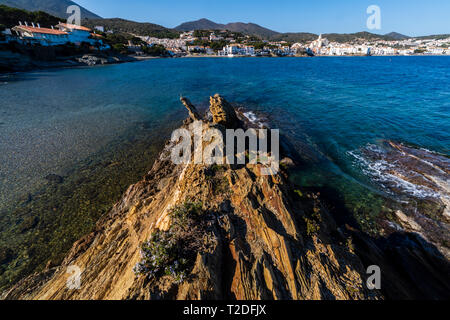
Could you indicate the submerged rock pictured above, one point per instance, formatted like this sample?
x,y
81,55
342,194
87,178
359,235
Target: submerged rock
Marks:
x,y
420,180
54,178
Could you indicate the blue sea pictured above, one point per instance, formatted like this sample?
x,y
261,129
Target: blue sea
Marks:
x,y
330,109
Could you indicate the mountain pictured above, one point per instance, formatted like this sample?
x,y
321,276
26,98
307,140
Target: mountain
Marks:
x,y
137,28
202,24
295,37
246,28
54,7
434,36
264,33
9,17
251,29
337,37
397,36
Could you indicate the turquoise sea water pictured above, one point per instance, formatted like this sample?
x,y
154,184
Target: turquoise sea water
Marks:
x,y
328,107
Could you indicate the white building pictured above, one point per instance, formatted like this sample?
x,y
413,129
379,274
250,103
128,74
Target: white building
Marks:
x,y
77,34
43,36
66,33
232,50
249,50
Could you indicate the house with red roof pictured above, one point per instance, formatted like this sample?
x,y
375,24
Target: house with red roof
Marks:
x,y
36,35
63,33
77,34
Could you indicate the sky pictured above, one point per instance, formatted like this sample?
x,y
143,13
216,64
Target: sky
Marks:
x,y
410,17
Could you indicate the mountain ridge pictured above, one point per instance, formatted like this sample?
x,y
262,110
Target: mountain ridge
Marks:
x,y
396,35
268,34
132,27
246,28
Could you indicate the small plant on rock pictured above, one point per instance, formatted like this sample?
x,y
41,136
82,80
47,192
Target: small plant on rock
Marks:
x,y
173,252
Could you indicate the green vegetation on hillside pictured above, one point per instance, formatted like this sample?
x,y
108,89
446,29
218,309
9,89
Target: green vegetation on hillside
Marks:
x,y
10,17
173,252
135,28
334,37
156,50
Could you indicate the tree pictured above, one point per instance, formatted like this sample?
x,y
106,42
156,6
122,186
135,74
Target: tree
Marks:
x,y
156,50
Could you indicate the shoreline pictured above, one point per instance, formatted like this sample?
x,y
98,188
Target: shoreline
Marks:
x,y
13,62
34,65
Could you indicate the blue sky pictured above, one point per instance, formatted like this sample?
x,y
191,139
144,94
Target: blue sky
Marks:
x,y
411,17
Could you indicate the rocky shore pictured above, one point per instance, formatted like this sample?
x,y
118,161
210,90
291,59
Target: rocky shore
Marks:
x,y
18,62
256,237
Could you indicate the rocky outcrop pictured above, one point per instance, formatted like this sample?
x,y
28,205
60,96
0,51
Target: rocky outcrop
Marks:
x,y
222,112
265,241
193,113
261,238
420,178
20,58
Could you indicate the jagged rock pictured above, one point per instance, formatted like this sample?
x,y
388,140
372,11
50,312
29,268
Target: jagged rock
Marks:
x,y
92,60
258,244
193,113
222,111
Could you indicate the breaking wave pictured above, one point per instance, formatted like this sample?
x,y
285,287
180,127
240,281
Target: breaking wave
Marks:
x,y
403,170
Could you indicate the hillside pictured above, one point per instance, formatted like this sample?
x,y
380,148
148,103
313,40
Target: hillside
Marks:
x,y
137,28
54,7
202,24
335,37
436,36
267,34
9,17
396,36
245,28
295,37
251,29
347,37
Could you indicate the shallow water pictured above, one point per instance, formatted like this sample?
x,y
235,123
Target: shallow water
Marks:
x,y
329,107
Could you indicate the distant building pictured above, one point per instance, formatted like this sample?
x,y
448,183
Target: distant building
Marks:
x,y
319,43
232,50
213,37
249,50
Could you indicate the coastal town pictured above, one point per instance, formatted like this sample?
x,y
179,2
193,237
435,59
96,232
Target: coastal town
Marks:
x,y
222,43
236,46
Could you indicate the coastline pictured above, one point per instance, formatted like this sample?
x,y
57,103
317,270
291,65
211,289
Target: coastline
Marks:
x,y
24,64
12,62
